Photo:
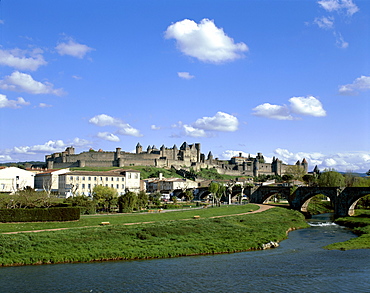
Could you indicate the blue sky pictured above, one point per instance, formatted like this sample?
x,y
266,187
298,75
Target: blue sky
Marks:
x,y
290,79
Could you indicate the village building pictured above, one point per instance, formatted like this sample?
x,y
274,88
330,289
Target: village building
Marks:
x,y
83,182
49,180
13,179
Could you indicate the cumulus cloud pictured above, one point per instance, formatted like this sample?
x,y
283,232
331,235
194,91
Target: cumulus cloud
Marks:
x,y
14,104
108,136
207,126
359,84
20,153
341,6
73,49
22,59
122,127
205,41
309,106
273,111
185,75
354,161
220,122
23,82
194,132
155,127
50,146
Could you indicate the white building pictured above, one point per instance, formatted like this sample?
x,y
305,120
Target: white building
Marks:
x,y
168,185
13,179
83,182
49,180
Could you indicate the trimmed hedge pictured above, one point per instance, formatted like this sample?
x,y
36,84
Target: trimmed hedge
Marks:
x,y
39,215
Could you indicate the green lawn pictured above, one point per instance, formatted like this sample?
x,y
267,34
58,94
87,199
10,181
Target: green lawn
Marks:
x,y
95,220
156,240
360,224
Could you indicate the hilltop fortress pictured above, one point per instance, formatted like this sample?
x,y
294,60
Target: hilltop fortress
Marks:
x,y
188,155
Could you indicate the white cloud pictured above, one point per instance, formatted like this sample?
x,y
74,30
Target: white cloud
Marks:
x,y
155,127
354,161
185,75
18,59
108,136
346,6
205,41
309,106
44,105
50,146
5,158
273,112
23,82
360,84
220,122
73,49
194,132
325,22
228,154
20,153
123,128
14,104
339,41
76,77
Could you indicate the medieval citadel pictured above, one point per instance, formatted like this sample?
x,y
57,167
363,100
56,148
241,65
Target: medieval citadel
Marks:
x,y
188,155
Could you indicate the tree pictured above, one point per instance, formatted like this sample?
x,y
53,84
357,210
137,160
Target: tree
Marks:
x,y
309,179
155,198
213,188
127,202
142,200
220,192
105,196
189,194
331,178
368,173
297,171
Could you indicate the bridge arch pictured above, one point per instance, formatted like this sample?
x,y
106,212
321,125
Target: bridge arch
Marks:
x,y
300,199
349,198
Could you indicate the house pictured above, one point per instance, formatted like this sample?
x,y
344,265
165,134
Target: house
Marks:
x,y
168,185
13,179
48,180
83,182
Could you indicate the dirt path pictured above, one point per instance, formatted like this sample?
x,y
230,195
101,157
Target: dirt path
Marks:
x,y
262,208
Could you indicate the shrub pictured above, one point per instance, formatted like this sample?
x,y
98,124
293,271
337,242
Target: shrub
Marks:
x,y
39,215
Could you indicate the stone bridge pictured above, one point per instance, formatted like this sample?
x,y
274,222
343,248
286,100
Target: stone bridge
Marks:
x,y
344,199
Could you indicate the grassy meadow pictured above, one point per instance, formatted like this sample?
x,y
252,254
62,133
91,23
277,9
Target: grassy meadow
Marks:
x,y
360,225
168,236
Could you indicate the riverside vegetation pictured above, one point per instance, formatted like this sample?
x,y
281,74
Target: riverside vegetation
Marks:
x,y
168,236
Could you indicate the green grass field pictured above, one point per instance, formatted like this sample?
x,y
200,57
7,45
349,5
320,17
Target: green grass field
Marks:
x,y
360,224
95,220
167,237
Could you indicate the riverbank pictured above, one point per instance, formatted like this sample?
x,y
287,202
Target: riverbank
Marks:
x,y
360,225
153,240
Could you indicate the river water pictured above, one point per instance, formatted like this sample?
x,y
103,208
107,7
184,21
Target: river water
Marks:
x,y
300,264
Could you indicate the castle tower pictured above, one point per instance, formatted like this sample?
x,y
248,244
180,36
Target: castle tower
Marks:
x,y
210,157
163,151
139,148
175,152
305,165
256,166
197,147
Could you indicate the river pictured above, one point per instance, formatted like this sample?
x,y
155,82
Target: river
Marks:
x,y
300,264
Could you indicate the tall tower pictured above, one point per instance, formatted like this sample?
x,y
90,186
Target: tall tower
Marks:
x,y
139,148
